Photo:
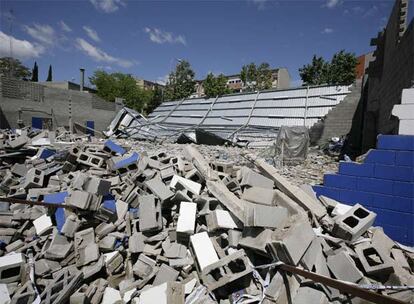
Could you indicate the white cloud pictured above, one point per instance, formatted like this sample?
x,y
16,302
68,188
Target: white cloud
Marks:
x,y
104,67
91,33
261,4
333,3
43,33
22,49
107,6
327,30
159,36
65,27
373,10
162,80
100,56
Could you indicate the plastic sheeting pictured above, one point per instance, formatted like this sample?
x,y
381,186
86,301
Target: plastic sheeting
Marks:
x,y
292,142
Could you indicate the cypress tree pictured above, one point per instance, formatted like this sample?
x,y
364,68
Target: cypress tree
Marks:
x,y
35,73
49,74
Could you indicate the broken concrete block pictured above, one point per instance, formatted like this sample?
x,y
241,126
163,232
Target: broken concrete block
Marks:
x,y
353,223
82,200
112,147
256,239
252,179
44,267
34,179
259,195
70,226
186,220
310,295
18,142
11,267
175,251
289,245
144,266
43,224
265,216
167,293
343,267
125,163
114,262
86,250
220,219
203,249
150,217
374,262
59,247
179,183
97,186
165,274
230,273
136,242
159,189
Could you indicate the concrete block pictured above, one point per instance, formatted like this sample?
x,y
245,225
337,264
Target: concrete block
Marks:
x,y
220,219
175,251
354,223
59,247
18,142
91,160
70,226
11,267
397,173
265,216
4,294
165,274
144,266
111,296
86,250
97,186
396,142
34,179
356,169
340,181
203,249
310,295
42,224
289,245
402,189
343,267
136,242
382,157
19,170
374,262
159,189
256,239
404,158
82,200
179,183
229,273
150,217
167,293
259,195
112,147
186,219
375,185
251,178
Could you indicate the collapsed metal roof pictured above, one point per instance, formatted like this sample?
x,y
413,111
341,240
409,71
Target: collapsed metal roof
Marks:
x,y
253,117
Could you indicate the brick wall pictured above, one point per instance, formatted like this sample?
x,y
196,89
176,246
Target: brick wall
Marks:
x,y
384,183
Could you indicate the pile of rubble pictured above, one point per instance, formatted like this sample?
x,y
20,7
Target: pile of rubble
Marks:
x,y
98,223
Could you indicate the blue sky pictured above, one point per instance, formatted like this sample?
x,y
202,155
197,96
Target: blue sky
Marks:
x,y
145,38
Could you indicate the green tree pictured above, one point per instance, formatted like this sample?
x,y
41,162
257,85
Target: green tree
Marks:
x,y
264,77
180,82
215,86
341,70
12,67
156,100
121,85
248,75
35,73
49,74
315,73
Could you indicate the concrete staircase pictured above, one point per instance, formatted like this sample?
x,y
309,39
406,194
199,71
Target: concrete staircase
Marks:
x,y
338,121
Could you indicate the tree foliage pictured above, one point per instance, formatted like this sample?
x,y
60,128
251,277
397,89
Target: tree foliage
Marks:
x,y
256,77
341,70
49,74
110,86
35,73
180,82
215,85
12,67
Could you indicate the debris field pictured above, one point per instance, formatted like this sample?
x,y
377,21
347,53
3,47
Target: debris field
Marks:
x,y
102,222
